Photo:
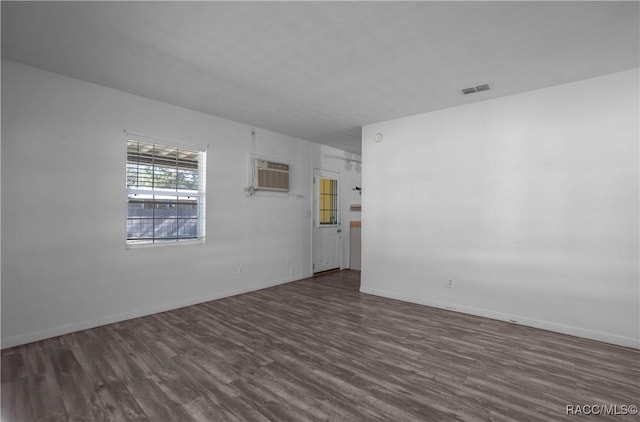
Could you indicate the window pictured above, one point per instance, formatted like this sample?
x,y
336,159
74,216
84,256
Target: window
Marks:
x,y
165,193
328,201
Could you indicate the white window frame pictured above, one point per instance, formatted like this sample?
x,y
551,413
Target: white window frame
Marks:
x,y
324,174
166,193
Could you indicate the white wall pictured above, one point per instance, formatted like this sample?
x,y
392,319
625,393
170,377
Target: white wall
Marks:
x,y
64,262
529,202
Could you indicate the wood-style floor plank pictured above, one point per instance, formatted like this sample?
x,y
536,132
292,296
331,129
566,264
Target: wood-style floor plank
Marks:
x,y
314,350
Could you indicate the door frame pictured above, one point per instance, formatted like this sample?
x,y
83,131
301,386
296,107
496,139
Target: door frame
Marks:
x,y
315,210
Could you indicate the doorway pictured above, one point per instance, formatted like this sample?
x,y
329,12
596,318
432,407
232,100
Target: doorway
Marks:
x,y
327,229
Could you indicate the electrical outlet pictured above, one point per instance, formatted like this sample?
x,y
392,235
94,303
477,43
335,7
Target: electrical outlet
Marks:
x,y
450,283
240,269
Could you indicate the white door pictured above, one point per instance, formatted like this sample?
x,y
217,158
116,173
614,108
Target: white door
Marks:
x,y
327,232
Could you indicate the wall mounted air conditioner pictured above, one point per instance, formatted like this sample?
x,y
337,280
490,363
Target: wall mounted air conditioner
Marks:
x,y
270,175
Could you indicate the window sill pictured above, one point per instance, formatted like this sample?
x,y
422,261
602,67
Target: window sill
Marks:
x,y
165,244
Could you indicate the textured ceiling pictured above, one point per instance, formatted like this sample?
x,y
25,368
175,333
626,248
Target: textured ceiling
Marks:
x,y
320,70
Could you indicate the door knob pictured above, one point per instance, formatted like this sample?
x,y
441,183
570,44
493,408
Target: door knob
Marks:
x,y
339,230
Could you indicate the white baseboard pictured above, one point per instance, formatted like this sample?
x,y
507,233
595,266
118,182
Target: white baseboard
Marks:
x,y
110,319
517,319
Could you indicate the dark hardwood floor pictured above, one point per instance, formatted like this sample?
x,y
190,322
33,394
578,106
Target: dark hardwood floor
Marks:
x,y
316,349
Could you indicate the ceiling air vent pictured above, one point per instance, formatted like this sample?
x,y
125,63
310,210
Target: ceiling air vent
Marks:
x,y
467,91
479,88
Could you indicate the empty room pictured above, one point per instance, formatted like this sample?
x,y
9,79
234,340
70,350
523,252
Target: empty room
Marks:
x,y
320,211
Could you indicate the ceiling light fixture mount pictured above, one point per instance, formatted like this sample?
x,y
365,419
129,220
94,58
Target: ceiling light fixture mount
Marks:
x,y
378,137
